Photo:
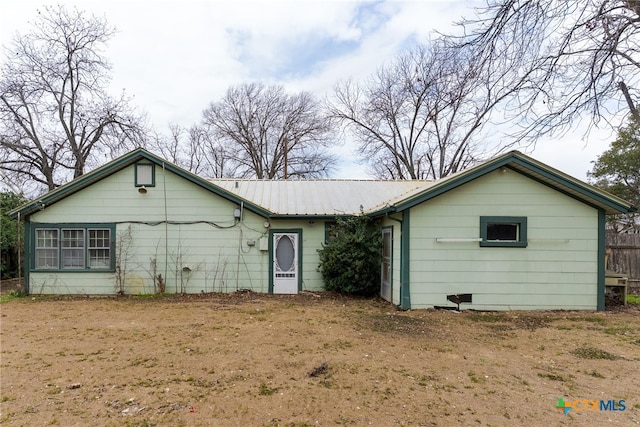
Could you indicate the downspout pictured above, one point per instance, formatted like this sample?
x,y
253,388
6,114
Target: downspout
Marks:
x,y
239,247
405,290
166,230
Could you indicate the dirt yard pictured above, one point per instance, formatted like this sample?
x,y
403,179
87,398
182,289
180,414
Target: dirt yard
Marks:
x,y
313,359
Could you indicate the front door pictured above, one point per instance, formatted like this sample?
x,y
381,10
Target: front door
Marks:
x,y
285,263
385,274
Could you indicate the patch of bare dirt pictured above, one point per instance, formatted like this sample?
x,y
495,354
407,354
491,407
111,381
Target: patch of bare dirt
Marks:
x,y
249,359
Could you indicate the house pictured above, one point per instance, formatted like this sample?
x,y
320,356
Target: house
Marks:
x,y
510,233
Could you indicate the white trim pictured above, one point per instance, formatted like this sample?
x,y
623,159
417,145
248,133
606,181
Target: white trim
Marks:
x,y
448,240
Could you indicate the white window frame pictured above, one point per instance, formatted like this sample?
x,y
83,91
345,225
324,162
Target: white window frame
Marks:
x,y
96,261
72,257
41,250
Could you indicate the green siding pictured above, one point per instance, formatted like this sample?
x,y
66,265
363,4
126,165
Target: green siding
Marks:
x,y
202,235
215,251
558,268
561,267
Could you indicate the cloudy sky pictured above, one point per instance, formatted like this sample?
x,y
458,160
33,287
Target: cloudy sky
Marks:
x,y
175,57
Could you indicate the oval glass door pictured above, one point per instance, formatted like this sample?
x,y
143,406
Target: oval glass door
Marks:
x,y
285,263
284,253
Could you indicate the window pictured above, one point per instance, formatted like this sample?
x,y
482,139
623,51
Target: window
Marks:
x,y
46,249
99,248
74,247
330,230
145,175
503,231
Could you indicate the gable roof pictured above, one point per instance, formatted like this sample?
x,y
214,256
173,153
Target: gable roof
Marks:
x,y
330,198
529,167
116,165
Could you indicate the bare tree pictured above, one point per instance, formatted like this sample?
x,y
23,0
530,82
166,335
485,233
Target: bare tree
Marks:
x,y
421,116
269,134
195,150
210,158
586,57
56,118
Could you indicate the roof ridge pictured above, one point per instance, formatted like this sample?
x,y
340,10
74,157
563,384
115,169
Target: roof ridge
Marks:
x,y
321,180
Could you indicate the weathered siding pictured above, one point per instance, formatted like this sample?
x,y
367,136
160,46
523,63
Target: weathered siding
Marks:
x,y
216,252
558,268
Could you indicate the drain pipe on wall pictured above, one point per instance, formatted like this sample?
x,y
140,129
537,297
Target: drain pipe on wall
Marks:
x,y
239,247
166,228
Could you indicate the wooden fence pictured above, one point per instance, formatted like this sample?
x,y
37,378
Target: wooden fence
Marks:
x,y
624,256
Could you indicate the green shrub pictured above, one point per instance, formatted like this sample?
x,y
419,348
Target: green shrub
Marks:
x,y
350,260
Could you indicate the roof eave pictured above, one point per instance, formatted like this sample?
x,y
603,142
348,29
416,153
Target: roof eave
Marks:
x,y
319,216
388,209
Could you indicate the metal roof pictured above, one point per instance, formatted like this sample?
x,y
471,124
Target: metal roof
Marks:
x,y
350,197
328,197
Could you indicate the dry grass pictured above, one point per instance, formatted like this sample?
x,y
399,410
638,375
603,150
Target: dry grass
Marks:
x,y
313,359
